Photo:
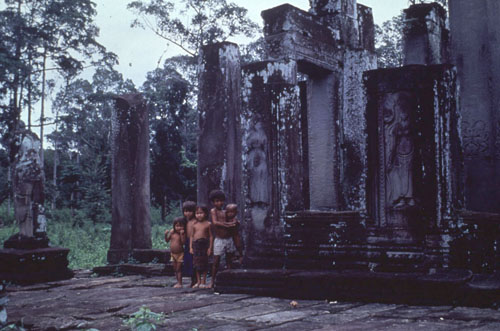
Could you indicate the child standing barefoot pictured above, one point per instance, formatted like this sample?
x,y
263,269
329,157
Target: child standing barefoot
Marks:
x,y
224,232
177,238
201,245
188,210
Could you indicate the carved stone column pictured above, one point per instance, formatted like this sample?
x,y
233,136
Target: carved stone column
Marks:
x,y
131,224
426,38
272,155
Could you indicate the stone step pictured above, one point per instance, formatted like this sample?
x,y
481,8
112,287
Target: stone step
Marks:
x,y
454,287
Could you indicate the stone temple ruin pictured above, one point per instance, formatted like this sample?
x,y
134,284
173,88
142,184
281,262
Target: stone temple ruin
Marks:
x,y
339,166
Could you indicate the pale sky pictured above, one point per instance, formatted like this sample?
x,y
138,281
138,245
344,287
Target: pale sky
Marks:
x,y
139,50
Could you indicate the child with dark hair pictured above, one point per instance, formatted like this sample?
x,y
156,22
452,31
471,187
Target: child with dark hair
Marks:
x,y
231,212
177,238
201,245
188,210
225,231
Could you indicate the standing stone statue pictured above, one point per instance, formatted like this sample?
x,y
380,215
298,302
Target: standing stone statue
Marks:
x,y
400,150
28,185
258,165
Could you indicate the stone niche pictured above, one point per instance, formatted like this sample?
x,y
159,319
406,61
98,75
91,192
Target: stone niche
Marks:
x,y
415,160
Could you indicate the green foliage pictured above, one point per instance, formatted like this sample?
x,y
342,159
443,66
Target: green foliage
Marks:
x,y
12,326
442,2
190,24
88,242
389,43
6,216
144,320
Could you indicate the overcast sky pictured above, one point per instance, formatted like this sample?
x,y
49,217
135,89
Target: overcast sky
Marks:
x,y
139,50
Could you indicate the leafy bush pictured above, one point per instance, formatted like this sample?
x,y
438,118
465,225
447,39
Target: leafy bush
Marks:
x,y
144,319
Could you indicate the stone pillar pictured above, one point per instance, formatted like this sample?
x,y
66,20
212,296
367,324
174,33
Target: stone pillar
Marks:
x,y
414,151
475,35
323,144
342,16
131,224
219,139
425,39
272,158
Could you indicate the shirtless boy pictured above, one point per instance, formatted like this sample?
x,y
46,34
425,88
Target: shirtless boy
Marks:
x,y
224,232
177,238
201,245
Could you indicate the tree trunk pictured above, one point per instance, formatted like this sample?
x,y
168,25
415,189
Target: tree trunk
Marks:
x,y
54,170
42,109
29,97
163,208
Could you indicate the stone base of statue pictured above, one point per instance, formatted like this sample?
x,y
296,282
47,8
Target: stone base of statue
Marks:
x,y
29,260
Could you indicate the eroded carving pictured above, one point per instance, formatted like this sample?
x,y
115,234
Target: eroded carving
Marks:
x,y
28,185
399,151
258,165
475,138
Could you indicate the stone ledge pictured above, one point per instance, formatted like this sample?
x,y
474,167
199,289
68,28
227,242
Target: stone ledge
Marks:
x,y
451,287
30,266
135,269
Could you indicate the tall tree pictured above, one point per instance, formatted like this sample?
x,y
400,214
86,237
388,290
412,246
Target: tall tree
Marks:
x,y
190,24
82,140
389,43
171,171
172,90
41,36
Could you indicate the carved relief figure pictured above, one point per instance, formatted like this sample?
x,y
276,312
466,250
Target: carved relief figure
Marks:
x,y
399,151
258,165
28,185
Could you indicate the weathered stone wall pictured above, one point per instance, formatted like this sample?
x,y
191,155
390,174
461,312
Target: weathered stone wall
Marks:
x,y
415,161
272,157
219,139
475,35
131,224
334,57
353,137
295,34
426,38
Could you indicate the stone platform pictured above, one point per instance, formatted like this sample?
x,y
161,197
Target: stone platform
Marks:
x,y
442,288
85,302
29,266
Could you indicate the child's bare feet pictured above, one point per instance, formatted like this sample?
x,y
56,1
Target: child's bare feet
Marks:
x,y
178,285
196,285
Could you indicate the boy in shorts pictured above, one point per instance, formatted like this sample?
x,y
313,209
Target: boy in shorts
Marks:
x,y
224,232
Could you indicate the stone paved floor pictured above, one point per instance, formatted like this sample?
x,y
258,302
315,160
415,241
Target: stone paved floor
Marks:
x,y
86,302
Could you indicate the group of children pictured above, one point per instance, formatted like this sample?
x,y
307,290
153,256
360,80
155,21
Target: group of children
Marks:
x,y
194,238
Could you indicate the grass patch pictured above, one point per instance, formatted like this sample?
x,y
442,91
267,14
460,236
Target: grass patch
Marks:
x,y
88,242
